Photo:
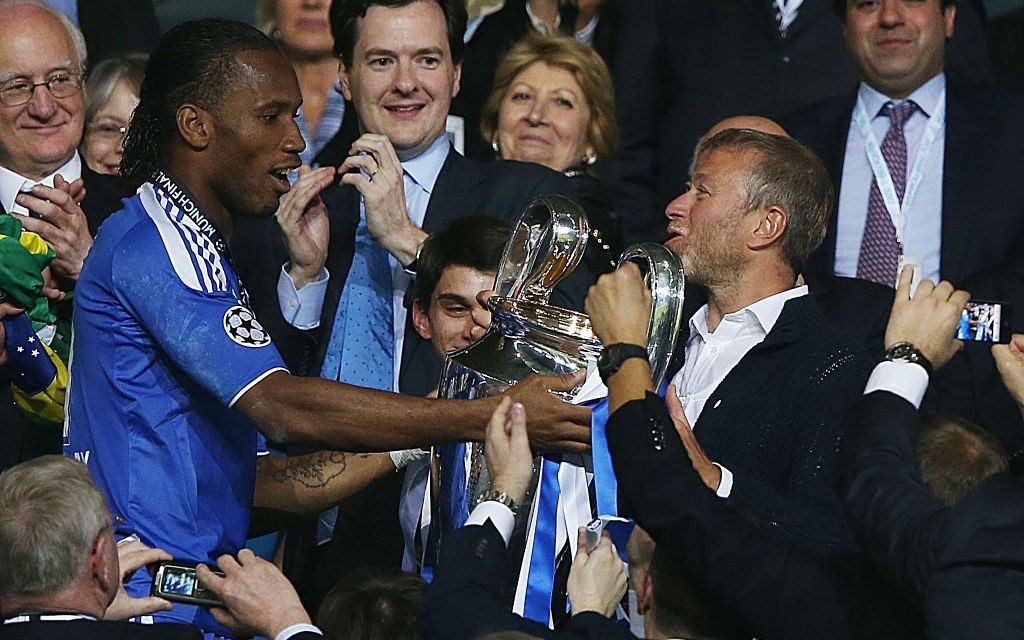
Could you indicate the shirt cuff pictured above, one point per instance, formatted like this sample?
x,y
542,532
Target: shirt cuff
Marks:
x,y
725,486
301,307
295,629
906,379
499,515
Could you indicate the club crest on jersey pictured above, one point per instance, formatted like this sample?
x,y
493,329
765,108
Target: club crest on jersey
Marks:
x,y
242,327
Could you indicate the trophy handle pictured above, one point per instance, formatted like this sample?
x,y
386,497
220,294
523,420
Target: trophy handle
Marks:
x,y
663,273
552,222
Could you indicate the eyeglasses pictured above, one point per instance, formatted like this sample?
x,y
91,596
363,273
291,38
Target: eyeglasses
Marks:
x,y
18,91
108,132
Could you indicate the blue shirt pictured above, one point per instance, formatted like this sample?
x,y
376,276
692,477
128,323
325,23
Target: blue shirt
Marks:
x,y
922,234
163,346
326,128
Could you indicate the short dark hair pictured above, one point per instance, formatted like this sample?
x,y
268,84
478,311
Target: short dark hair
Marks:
x,y
787,174
840,6
194,63
345,15
372,603
955,455
476,242
685,608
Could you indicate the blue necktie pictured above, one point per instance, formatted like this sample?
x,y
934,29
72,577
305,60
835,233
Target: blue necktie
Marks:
x,y
362,345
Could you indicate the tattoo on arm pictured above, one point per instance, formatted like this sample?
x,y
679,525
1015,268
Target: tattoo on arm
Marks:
x,y
316,471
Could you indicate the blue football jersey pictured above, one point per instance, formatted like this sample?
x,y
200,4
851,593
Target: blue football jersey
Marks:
x,y
162,347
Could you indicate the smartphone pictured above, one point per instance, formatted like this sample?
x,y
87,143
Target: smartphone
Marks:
x,y
985,321
176,580
592,533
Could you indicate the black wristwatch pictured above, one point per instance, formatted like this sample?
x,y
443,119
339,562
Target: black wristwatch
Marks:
x,y
909,353
614,355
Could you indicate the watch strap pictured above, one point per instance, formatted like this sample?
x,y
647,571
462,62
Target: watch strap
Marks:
x,y
909,353
493,495
614,355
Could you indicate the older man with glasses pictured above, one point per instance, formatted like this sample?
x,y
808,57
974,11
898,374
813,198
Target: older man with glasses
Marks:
x,y
42,177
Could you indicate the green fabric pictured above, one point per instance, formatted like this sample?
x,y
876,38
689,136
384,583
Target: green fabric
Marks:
x,y
21,278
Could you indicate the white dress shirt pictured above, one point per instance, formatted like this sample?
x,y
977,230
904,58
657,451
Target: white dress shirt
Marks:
x,y
710,356
11,183
922,231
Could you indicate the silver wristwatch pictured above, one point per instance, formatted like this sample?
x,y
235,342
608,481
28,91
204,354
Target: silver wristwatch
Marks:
x,y
492,495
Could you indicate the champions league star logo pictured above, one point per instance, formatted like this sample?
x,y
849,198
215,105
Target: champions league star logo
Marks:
x,y
242,327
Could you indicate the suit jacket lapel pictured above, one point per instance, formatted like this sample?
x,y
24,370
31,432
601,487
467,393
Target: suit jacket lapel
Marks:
x,y
455,193
968,129
834,117
809,12
750,370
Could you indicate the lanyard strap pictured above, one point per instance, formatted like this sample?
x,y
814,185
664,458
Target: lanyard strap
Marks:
x,y
180,197
897,210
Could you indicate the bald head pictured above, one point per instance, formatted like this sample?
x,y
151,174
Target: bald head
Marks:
x,y
754,123
751,123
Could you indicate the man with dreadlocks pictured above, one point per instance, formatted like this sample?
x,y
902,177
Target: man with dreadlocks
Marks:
x,y
172,374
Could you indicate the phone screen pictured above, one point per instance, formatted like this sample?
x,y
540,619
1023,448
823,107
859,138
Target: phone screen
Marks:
x,y
179,581
984,321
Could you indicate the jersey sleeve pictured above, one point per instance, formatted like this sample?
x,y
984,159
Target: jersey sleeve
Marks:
x,y
185,299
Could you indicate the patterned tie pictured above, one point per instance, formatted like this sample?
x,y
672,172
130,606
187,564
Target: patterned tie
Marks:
x,y
362,345
879,249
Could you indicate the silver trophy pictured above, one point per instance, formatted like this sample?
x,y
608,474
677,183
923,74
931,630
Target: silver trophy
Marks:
x,y
529,336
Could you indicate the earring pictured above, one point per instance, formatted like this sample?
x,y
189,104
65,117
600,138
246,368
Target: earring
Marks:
x,y
590,158
494,145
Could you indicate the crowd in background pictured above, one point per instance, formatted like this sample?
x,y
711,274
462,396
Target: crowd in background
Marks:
x,y
235,255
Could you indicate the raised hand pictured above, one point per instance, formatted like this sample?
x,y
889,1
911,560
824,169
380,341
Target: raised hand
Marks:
x,y
927,320
257,597
509,459
56,217
373,168
619,306
597,580
1010,363
132,556
302,217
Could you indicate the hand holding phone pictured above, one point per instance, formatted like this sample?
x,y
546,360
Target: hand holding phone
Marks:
x,y
985,321
176,580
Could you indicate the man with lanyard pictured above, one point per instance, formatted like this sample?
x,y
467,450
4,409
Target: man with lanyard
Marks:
x,y
172,373
928,167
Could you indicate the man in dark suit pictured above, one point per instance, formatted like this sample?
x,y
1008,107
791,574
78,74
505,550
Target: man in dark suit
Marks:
x,y
401,180
962,561
969,386
958,143
771,589
62,574
682,65
765,376
41,173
